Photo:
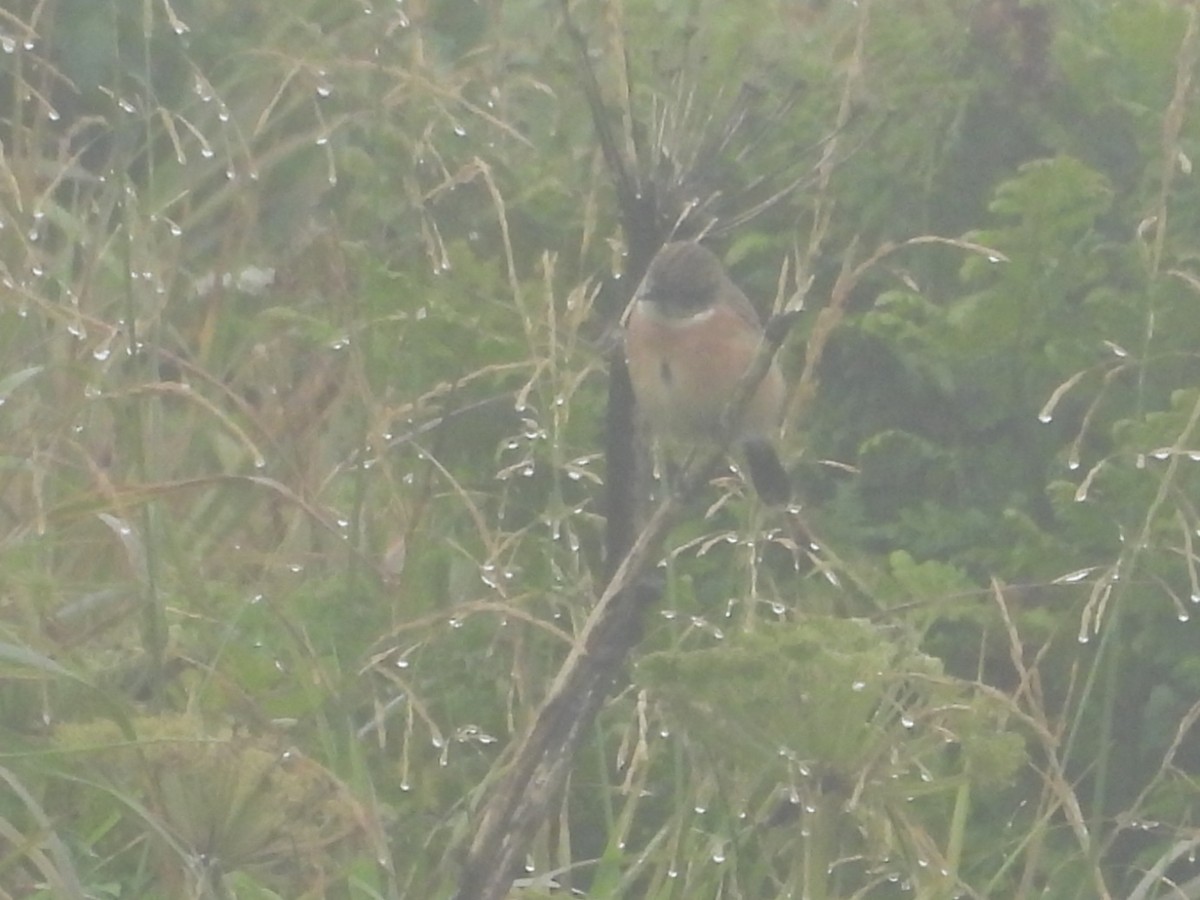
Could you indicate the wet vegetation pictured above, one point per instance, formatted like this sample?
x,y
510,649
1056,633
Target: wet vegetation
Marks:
x,y
306,313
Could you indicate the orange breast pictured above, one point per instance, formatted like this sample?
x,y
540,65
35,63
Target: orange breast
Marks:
x,y
685,371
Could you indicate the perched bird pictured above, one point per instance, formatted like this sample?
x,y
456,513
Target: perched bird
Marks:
x,y
690,336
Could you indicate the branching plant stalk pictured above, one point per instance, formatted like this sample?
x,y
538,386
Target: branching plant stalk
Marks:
x,y
520,800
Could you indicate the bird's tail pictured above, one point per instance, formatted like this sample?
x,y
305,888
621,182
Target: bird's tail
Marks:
x,y
767,474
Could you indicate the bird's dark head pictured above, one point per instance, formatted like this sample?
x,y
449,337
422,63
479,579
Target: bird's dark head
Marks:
x,y
683,279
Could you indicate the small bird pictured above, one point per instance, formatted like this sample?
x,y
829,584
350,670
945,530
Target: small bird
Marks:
x,y
690,336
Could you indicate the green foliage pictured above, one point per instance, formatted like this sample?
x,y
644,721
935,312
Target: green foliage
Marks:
x,y
837,723
209,802
303,315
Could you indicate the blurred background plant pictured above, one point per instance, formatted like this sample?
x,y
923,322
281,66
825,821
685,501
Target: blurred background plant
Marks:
x,y
302,335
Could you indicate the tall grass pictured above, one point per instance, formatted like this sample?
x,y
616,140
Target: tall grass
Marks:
x,y
303,314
